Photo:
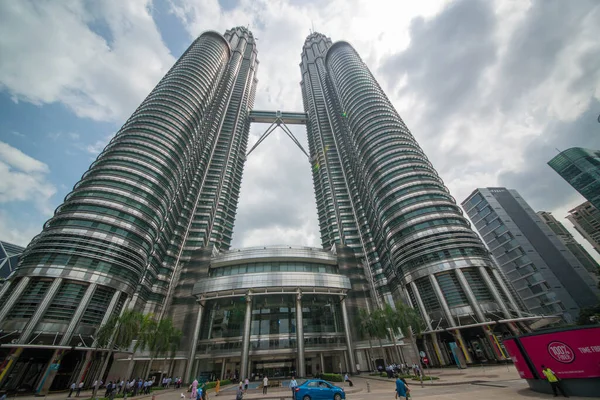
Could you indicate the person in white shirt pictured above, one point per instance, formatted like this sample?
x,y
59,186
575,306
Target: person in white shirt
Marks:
x,y
79,389
73,386
265,384
293,386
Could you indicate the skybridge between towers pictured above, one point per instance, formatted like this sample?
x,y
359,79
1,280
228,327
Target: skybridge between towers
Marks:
x,y
279,119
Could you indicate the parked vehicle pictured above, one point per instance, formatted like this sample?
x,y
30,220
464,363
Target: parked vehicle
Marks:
x,y
317,389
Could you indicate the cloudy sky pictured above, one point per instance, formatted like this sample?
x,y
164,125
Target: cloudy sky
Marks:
x,y
489,88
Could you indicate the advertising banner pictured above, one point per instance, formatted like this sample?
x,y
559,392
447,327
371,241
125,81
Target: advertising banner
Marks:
x,y
518,359
570,354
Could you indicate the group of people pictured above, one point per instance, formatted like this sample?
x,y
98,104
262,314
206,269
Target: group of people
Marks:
x,y
199,391
393,370
166,382
131,388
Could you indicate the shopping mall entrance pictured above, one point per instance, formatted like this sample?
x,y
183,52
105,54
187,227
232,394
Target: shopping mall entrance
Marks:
x,y
274,368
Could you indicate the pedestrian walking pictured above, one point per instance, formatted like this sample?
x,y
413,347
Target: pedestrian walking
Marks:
x,y
293,386
246,382
217,387
401,389
240,392
194,389
73,387
79,389
553,381
265,384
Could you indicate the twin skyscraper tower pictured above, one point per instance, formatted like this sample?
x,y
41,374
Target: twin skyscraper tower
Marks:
x,y
149,227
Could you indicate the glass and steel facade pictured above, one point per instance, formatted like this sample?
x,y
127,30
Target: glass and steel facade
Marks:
x,y
9,258
149,227
378,193
249,303
581,168
547,278
586,220
570,243
166,184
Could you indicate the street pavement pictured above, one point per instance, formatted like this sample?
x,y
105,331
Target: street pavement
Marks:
x,y
490,383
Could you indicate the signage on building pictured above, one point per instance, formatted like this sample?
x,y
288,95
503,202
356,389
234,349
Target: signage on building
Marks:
x,y
571,354
518,358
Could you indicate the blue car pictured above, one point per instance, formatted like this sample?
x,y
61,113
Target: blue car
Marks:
x,y
317,389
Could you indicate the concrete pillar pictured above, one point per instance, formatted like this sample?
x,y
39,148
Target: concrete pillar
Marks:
x,y
48,376
41,310
440,296
85,301
9,362
322,363
194,343
495,294
489,334
421,305
470,296
109,311
507,292
223,368
301,369
87,362
463,346
438,350
5,288
348,335
246,337
12,299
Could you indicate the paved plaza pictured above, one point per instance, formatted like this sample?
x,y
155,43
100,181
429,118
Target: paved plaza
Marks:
x,y
490,383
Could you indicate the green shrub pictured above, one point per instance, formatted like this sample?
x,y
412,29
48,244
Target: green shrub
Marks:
x,y
211,385
425,378
332,377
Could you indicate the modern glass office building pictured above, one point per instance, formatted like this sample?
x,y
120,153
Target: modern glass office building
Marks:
x,y
570,243
379,194
586,220
547,277
581,168
149,227
9,258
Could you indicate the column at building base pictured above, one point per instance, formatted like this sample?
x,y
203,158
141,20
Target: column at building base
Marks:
x,y
9,362
463,346
85,367
489,333
48,376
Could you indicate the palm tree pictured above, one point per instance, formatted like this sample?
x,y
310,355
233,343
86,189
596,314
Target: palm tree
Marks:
x,y
380,330
408,322
145,327
367,328
174,340
161,338
118,332
392,322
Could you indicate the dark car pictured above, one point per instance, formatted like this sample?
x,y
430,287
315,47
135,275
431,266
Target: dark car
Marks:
x,y
317,389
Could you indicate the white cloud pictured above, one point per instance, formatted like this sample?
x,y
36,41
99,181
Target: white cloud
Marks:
x,y
64,135
277,204
24,179
55,55
15,230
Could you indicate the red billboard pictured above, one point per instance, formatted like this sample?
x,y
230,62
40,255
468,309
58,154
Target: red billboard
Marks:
x,y
518,359
570,354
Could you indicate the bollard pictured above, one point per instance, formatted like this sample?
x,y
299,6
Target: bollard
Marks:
x,y
368,387
153,396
